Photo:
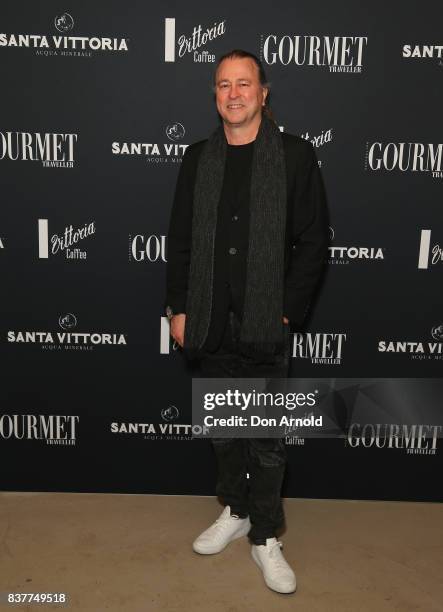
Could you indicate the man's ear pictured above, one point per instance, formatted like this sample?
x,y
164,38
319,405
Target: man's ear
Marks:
x,y
265,95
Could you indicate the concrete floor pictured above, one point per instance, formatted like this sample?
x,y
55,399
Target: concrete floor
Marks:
x,y
133,552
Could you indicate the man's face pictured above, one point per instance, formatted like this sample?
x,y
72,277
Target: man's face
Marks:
x,y
238,92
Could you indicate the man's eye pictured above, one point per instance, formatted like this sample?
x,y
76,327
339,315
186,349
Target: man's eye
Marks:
x,y
244,84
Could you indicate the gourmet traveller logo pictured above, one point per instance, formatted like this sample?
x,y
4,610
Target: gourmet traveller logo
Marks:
x,y
52,149
413,439
54,429
420,157
319,348
147,248
335,53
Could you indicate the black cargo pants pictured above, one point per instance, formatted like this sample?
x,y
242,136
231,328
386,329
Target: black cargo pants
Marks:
x,y
263,459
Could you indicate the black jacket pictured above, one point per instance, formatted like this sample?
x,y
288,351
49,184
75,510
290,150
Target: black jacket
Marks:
x,y
306,231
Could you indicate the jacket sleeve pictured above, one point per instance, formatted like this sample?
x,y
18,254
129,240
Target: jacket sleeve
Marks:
x,y
179,237
309,240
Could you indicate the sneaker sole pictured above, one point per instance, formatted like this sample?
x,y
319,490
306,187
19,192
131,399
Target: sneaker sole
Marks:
x,y
213,551
272,585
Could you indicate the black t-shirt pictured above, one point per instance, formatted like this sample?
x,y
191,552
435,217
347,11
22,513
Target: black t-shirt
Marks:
x,y
231,241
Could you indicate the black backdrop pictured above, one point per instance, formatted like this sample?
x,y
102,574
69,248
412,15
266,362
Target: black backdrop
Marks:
x,y
91,137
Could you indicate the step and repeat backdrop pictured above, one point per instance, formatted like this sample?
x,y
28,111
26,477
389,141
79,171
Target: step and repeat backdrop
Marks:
x,y
98,104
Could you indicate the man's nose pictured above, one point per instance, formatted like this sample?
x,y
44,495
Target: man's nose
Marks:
x,y
234,92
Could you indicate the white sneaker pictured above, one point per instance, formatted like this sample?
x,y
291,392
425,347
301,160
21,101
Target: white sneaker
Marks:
x,y
277,572
225,529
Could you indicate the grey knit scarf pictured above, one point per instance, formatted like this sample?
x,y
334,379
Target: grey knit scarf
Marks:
x,y
262,331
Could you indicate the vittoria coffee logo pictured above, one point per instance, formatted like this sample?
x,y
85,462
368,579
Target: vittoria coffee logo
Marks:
x,y
191,44
405,157
294,441
66,339
319,348
318,140
336,53
346,254
54,429
64,243
155,153
418,439
417,349
53,150
65,46
161,431
429,254
417,52
151,249
167,342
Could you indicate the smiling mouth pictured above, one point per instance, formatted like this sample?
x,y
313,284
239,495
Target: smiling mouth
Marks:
x,y
235,106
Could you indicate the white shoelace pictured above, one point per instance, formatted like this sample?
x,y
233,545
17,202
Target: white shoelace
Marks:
x,y
220,524
276,556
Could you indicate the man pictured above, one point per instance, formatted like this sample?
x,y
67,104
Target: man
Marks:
x,y
246,247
